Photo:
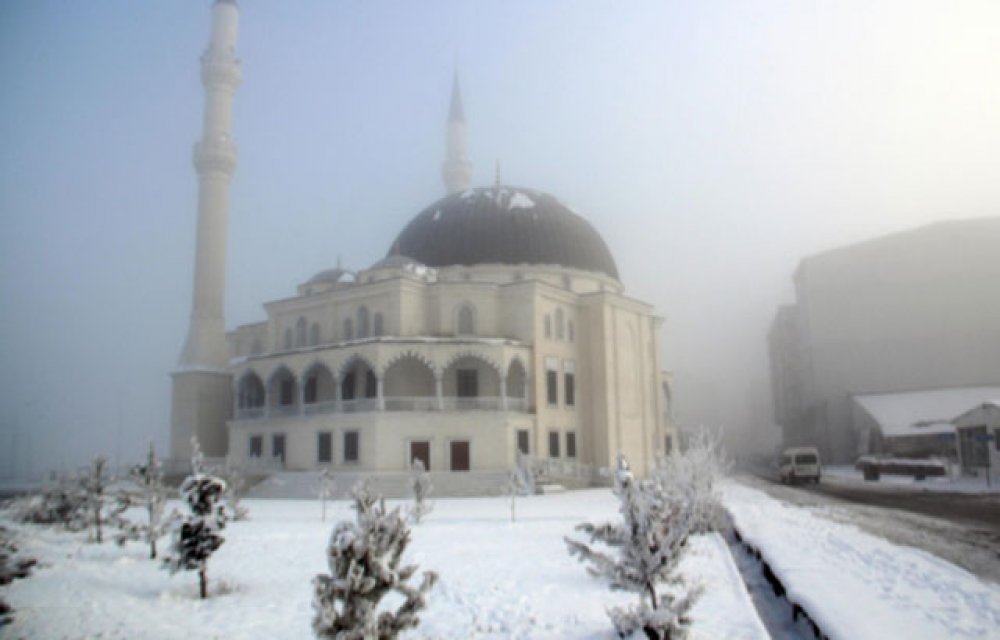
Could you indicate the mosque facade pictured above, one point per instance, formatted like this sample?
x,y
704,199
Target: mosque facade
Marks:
x,y
495,323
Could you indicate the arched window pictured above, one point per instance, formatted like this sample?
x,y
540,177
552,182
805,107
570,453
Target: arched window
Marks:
x,y
377,328
548,326
300,332
570,333
348,330
256,347
466,320
363,322
288,338
314,335
560,325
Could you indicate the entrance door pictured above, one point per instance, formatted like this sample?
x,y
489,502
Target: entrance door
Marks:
x,y
460,455
421,450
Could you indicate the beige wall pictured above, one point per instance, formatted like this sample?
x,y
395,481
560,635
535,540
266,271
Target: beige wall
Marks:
x,y
613,352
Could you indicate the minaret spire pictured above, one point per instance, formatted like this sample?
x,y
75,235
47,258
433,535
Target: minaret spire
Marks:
x,y
215,162
456,169
202,387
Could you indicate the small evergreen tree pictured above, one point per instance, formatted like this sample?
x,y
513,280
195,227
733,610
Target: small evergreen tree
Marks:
x,y
197,537
364,561
420,484
647,544
151,495
326,488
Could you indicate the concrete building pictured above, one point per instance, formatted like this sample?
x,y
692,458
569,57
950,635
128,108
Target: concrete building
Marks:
x,y
496,322
912,311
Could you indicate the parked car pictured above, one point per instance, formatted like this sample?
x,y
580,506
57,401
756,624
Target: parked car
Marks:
x,y
799,463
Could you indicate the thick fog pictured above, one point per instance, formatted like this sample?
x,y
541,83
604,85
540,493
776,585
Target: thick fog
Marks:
x,y
712,144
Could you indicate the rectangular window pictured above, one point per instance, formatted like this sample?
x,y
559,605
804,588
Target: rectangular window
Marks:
x,y
351,446
324,447
552,386
570,445
553,444
460,455
256,446
570,390
421,450
523,441
468,383
278,446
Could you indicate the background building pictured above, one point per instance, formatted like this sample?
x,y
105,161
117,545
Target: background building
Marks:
x,y
912,311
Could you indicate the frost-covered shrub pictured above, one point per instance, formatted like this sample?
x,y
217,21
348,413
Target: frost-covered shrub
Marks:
x,y
197,536
149,494
642,553
520,481
235,487
325,488
420,485
59,504
690,477
364,561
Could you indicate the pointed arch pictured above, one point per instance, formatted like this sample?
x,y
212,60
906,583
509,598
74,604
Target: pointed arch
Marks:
x,y
282,389
300,332
318,384
250,392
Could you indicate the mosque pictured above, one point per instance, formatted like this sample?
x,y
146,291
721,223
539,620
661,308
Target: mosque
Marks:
x,y
496,322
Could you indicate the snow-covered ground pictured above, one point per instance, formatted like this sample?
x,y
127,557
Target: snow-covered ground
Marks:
x,y
856,585
497,579
960,484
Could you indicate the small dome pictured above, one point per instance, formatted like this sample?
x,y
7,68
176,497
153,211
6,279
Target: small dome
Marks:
x,y
328,276
503,225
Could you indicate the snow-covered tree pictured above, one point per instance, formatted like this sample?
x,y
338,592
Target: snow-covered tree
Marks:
x,y
197,536
420,485
95,487
326,487
643,551
520,481
364,561
690,478
151,495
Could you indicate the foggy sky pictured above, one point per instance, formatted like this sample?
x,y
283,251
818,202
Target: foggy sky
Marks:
x,y
713,144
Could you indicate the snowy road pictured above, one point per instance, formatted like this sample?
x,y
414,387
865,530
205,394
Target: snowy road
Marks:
x,y
974,547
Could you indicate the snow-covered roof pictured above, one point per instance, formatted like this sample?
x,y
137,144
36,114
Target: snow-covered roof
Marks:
x,y
987,412
928,412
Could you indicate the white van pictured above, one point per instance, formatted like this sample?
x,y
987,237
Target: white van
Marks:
x,y
799,463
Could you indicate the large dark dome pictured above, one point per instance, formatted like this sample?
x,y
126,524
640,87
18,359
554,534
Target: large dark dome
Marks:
x,y
503,225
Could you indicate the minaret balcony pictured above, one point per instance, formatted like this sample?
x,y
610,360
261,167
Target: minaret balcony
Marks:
x,y
215,156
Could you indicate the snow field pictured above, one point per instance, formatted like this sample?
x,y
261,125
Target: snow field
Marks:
x,y
857,586
497,579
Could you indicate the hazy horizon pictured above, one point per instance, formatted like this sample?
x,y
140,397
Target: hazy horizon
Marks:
x,y
712,144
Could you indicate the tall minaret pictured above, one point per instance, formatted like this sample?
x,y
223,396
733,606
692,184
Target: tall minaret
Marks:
x,y
202,386
456,169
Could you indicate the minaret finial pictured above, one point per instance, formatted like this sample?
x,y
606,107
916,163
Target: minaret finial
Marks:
x,y
456,170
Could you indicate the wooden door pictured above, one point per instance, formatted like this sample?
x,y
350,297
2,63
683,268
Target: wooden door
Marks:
x,y
460,455
421,450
